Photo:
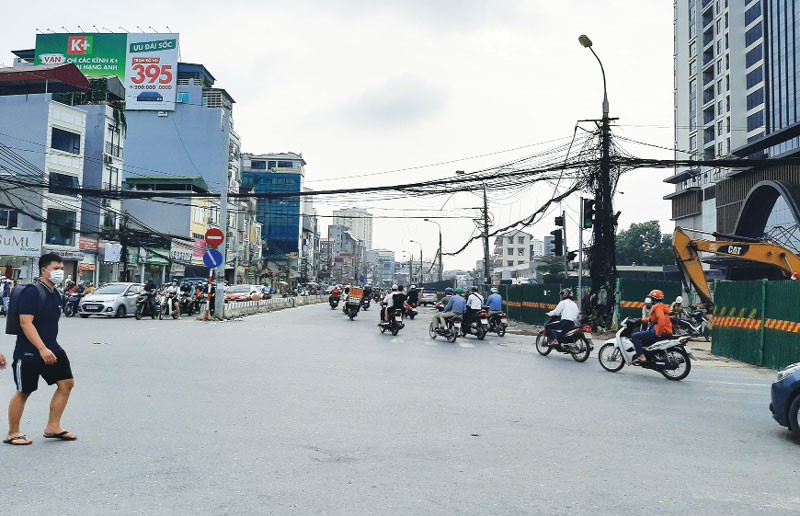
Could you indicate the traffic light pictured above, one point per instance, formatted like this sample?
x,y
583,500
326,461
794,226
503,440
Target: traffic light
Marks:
x,y
560,221
558,242
572,255
588,213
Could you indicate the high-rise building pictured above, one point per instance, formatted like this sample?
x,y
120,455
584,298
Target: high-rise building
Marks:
x,y
736,95
358,220
280,217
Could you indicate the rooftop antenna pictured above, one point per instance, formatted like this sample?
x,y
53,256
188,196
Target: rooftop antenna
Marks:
x,y
141,29
95,28
167,26
51,30
151,28
38,31
65,29
123,28
81,28
109,30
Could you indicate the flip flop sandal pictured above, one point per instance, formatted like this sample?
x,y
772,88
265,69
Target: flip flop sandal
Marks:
x,y
61,436
18,438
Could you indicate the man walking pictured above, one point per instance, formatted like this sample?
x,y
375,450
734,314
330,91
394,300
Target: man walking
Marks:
x,y
38,353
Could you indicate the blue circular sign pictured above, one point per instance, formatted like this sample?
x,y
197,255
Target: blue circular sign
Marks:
x,y
212,259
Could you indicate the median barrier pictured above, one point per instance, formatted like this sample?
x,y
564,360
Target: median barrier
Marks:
x,y
236,309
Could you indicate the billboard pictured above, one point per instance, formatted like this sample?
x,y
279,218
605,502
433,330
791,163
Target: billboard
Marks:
x,y
18,242
147,64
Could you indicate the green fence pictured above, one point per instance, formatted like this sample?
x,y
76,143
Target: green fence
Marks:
x,y
631,294
757,322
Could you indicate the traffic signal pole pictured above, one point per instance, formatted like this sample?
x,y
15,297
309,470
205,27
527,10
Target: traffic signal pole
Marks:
x,y
564,230
580,257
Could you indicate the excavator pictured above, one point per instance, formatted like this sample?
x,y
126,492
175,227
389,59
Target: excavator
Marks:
x,y
753,250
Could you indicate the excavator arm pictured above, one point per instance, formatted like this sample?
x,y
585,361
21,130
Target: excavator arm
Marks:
x,y
686,255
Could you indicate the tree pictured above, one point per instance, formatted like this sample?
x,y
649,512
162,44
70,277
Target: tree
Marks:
x,y
552,269
644,244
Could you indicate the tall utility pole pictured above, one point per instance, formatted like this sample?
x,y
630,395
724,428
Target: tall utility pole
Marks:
x,y
564,226
123,238
487,278
602,259
441,271
219,305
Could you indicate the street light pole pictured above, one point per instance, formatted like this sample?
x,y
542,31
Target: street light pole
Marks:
x,y
440,246
602,263
419,273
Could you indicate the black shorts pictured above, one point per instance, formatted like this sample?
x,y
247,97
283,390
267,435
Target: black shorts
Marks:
x,y
28,369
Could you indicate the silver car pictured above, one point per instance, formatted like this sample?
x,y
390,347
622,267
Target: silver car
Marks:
x,y
113,299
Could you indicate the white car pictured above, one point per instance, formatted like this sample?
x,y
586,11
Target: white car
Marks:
x,y
112,299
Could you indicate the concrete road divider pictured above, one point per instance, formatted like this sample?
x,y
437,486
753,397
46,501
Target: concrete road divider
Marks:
x,y
242,308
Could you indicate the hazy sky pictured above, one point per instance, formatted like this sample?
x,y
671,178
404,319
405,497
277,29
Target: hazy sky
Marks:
x,y
366,86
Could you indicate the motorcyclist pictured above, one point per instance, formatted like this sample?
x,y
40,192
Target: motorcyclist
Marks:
x,y
448,293
495,302
335,293
456,306
474,306
660,326
646,309
676,308
387,300
172,294
150,290
568,310
413,296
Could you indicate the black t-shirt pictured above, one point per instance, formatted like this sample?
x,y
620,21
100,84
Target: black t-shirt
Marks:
x,y
398,299
413,296
45,320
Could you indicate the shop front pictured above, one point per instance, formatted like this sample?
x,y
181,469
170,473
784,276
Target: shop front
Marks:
x,y
19,253
72,262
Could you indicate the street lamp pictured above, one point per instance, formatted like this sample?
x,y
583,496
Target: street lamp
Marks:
x,y
602,265
419,273
440,245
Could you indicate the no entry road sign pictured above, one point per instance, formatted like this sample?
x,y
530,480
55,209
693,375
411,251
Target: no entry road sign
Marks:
x,y
214,237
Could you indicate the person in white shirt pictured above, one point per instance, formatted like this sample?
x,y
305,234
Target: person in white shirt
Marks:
x,y
474,305
173,291
567,309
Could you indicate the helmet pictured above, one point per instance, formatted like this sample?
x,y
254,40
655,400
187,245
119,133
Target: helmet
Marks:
x,y
679,300
648,301
448,291
394,287
412,287
494,290
566,293
459,291
656,295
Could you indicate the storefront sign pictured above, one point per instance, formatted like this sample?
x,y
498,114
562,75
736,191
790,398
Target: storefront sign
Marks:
x,y
113,252
86,267
198,251
181,252
18,242
70,256
89,244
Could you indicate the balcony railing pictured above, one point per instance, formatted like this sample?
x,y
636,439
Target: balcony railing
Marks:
x,y
114,150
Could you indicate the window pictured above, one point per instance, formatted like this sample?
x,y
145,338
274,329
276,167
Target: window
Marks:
x,y
60,227
510,240
65,141
692,49
755,99
63,184
113,179
270,164
754,56
693,142
719,108
510,251
719,86
509,263
728,129
521,240
752,35
258,165
751,14
719,149
693,68
719,128
755,120
728,104
9,218
521,251
755,77
719,67
183,98
520,262
285,164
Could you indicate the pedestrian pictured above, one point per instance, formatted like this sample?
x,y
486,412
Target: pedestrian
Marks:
x,y
37,353
5,292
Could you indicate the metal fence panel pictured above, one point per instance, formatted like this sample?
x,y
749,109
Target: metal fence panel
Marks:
x,y
781,324
633,291
738,320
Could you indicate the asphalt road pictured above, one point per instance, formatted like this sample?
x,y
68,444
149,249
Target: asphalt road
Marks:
x,y
304,412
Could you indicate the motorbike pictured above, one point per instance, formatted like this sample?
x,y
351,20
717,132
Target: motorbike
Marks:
x,y
352,306
333,301
478,325
71,306
143,306
572,342
671,357
186,302
394,323
167,306
365,302
410,310
498,322
450,332
698,325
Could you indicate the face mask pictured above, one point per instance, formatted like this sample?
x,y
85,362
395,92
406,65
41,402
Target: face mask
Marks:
x,y
57,276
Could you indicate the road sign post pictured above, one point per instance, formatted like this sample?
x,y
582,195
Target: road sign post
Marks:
x,y
213,259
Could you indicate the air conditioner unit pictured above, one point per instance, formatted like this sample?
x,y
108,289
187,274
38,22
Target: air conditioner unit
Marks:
x,y
107,158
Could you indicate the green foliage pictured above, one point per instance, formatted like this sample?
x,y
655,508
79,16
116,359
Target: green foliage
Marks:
x,y
644,244
552,269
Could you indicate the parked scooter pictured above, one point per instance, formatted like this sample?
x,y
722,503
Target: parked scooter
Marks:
x,y
450,332
572,342
670,357
697,326
394,323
